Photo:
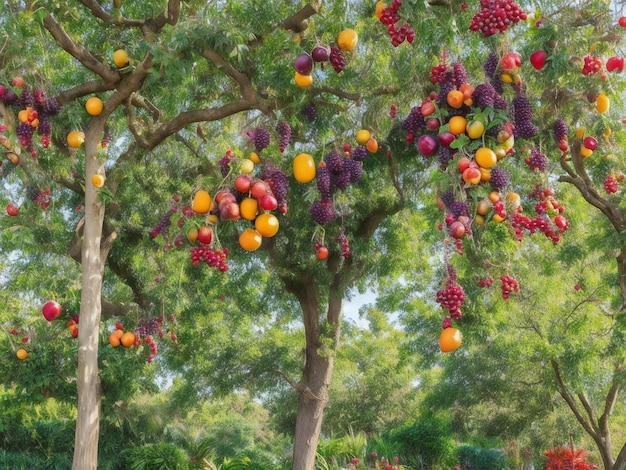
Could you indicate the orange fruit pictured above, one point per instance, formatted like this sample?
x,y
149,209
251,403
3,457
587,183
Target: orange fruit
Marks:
x,y
250,239
192,235
201,202
494,196
22,116
450,339
455,98
304,169
21,354
75,139
94,106
457,124
266,224
248,208
497,218
115,338
363,136
128,339
97,180
303,81
585,152
485,174
372,145
120,58
485,157
347,40
254,158
603,103
380,6
483,207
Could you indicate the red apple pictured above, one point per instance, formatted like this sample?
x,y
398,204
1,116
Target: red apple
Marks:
x,y
428,145
74,332
615,64
561,222
511,61
590,142
432,124
12,210
622,21
242,183
229,211
563,145
463,164
268,203
51,310
538,59
259,189
205,235
471,175
457,229
446,138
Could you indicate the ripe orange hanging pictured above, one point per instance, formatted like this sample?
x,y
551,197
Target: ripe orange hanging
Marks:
x,y
94,106
450,339
250,239
75,139
120,58
266,224
455,98
304,169
201,202
347,39
21,354
303,81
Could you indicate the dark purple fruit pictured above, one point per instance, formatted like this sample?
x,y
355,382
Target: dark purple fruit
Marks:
x,y
320,53
303,64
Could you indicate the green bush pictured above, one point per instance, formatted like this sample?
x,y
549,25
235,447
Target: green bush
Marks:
x,y
478,458
160,456
426,442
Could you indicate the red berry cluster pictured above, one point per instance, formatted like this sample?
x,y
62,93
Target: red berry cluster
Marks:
x,y
43,199
485,282
496,16
438,73
153,348
345,245
500,208
214,258
509,285
389,17
451,298
611,182
591,65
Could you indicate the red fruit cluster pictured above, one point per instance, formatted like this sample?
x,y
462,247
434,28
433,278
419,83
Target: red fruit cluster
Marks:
x,y
496,16
214,258
591,65
451,298
610,184
509,285
345,245
485,282
390,18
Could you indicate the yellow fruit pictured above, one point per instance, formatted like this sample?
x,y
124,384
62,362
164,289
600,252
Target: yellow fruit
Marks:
x,y
120,58
266,224
479,220
380,6
506,78
363,136
304,169
303,81
497,218
75,139
580,132
254,158
21,354
247,166
94,106
201,202
347,40
585,152
475,129
483,207
607,133
97,180
248,208
485,157
457,124
485,174
250,239
602,103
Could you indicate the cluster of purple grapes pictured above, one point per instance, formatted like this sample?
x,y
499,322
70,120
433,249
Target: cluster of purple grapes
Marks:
x,y
224,163
345,245
451,298
389,17
509,285
522,118
537,160
42,108
496,16
214,258
309,111
561,130
163,223
284,132
260,138
337,173
278,183
442,73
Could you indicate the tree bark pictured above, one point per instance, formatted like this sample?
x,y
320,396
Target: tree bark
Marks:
x,y
92,257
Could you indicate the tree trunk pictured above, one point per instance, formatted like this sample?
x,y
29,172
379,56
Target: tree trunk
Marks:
x,y
311,403
92,263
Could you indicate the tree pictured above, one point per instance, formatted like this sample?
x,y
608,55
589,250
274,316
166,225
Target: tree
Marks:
x,y
201,70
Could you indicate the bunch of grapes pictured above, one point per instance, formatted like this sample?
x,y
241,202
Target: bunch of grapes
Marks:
x,y
451,298
323,182
163,223
591,65
537,160
154,349
309,111
509,285
278,183
499,178
214,258
284,131
337,59
496,16
323,211
537,223
260,138
610,184
522,118
389,17
224,163
359,153
561,130
491,65
454,74
345,245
